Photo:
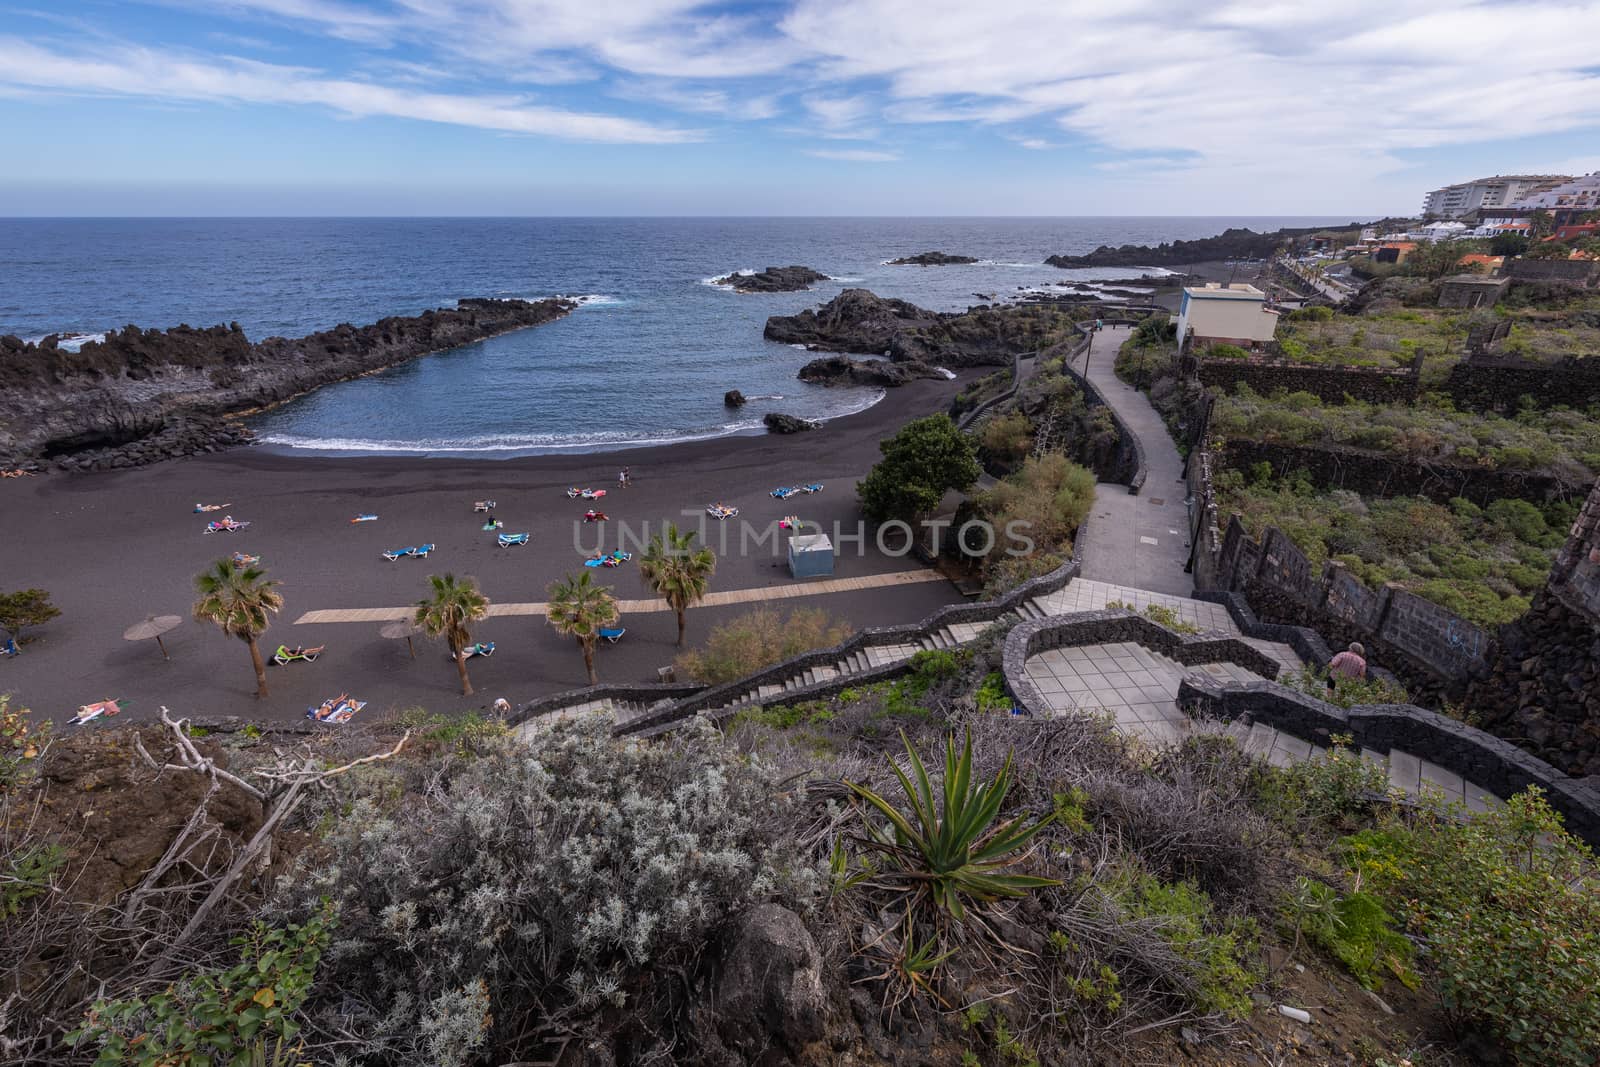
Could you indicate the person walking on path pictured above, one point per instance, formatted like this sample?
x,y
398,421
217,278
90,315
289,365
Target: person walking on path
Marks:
x,y
1350,664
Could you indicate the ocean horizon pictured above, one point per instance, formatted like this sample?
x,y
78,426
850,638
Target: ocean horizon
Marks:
x,y
644,360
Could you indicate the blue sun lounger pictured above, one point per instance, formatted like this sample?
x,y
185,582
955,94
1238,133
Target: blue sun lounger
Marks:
x,y
507,540
396,553
784,492
9,647
814,487
614,635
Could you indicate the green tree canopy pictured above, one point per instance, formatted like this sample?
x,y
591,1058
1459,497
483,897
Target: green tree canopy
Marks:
x,y
240,601
920,464
455,604
25,607
677,571
580,609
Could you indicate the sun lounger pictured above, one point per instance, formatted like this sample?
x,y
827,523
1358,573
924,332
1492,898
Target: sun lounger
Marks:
x,y
482,648
492,524
483,505
241,559
784,492
507,540
8,647
339,709
201,508
595,516
396,553
721,511
814,487
614,635
364,518
610,559
91,712
225,526
289,655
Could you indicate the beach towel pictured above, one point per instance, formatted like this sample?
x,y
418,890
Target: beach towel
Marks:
x,y
91,712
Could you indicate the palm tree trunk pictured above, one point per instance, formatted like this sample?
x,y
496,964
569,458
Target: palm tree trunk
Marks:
x,y
588,660
681,621
261,668
461,665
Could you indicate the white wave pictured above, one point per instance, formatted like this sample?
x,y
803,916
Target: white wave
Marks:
x,y
744,272
831,278
1005,263
802,348
72,342
766,396
534,443
594,299
949,374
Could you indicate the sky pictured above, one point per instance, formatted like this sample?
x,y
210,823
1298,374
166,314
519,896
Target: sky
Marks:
x,y
787,107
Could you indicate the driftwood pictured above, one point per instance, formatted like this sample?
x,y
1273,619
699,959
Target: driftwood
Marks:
x,y
285,784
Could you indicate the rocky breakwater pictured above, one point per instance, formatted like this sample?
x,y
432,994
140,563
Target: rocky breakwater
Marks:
x,y
145,395
792,279
882,373
931,259
862,322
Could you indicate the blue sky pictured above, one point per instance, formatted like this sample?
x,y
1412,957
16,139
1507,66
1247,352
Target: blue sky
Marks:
x,y
545,107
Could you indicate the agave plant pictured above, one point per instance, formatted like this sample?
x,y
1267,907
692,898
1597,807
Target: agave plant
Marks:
x,y
952,848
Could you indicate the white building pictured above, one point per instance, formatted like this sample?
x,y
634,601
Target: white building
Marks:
x,y
1454,201
1574,194
1233,314
1438,231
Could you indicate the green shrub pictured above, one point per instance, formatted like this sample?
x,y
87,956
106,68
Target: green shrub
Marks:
x,y
244,1016
1330,787
1505,903
956,851
20,745
1221,949
559,881
993,695
1346,692
760,638
1005,439
1352,928
26,873
1226,352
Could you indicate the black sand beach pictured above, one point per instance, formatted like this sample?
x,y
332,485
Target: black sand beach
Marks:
x,y
112,548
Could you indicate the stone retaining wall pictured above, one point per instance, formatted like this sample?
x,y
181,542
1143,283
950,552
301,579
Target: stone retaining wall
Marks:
x,y
1500,384
1380,474
1481,758
1435,652
1331,384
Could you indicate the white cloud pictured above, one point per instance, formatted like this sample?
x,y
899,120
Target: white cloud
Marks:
x,y
854,155
128,71
725,103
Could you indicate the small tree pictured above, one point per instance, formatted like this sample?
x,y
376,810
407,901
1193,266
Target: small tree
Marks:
x,y
455,603
239,600
580,609
25,607
677,571
1549,250
920,464
746,643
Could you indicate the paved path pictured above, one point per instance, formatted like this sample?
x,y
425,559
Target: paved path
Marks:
x,y
1143,540
629,607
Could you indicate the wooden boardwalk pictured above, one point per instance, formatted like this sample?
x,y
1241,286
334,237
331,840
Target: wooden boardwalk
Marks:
x,y
631,607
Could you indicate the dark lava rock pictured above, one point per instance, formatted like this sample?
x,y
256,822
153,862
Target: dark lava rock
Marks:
x,y
792,279
780,423
857,320
842,370
770,988
733,398
931,259
141,396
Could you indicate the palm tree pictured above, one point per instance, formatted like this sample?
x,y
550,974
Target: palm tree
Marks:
x,y
455,603
580,609
239,600
677,571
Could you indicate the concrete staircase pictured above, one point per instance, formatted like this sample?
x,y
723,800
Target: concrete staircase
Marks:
x,y
945,638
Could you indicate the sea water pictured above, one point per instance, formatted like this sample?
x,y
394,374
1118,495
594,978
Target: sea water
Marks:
x,y
646,358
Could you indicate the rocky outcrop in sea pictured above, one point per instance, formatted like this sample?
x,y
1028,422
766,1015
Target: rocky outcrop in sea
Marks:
x,y
1236,242
778,422
792,279
931,259
883,373
862,322
145,395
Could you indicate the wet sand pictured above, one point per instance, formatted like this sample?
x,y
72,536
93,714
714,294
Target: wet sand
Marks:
x,y
112,548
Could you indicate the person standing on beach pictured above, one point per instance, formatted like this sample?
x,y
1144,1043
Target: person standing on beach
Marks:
x,y
622,478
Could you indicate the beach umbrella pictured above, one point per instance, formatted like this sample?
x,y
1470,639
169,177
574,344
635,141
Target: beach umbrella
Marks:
x,y
153,626
401,628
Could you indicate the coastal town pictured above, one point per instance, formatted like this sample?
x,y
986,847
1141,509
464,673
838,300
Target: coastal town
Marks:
x,y
618,629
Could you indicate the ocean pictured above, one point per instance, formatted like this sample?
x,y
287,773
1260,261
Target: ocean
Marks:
x,y
645,359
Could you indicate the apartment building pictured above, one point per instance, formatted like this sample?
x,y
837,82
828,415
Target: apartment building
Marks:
x,y
1502,190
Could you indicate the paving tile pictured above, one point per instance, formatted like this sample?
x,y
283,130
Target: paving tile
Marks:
x,y
1405,770
1447,782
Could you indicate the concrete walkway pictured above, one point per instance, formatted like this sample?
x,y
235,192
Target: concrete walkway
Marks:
x,y
1140,541
631,607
